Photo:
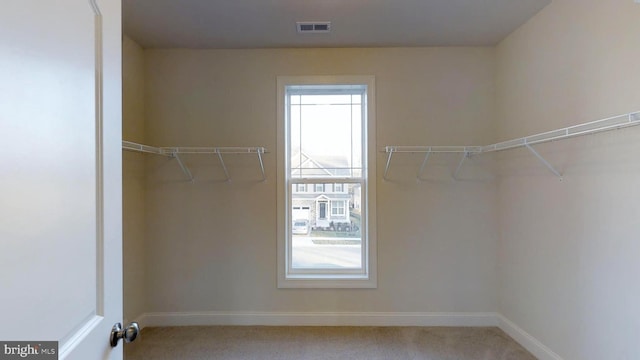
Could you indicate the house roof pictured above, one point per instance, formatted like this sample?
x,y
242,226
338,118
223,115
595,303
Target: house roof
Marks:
x,y
320,165
315,196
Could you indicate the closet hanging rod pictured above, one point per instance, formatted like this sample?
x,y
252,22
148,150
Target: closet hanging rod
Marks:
x,y
220,151
175,152
466,151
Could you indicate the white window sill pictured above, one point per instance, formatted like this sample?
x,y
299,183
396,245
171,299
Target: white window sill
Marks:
x,y
327,282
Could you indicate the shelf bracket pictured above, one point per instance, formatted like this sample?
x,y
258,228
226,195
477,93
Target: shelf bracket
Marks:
x,y
464,156
386,169
424,163
259,152
543,161
224,167
184,168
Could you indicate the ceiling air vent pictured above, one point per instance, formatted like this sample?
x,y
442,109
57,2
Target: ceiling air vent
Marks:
x,y
311,27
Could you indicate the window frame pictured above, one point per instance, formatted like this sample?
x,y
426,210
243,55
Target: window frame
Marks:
x,y
327,278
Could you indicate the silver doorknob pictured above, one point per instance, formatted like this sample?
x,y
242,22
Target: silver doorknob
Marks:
x,y
129,334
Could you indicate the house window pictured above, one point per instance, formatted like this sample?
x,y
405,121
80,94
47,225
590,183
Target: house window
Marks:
x,y
326,132
301,188
338,209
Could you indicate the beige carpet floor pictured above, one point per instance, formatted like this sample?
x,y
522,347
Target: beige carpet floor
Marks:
x,y
302,343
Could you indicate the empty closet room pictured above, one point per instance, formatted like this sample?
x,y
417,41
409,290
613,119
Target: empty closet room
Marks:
x,y
538,237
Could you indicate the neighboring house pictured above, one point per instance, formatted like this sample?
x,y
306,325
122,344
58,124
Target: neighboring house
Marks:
x,y
324,205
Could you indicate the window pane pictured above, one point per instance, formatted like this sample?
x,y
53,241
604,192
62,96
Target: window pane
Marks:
x,y
326,138
326,229
326,130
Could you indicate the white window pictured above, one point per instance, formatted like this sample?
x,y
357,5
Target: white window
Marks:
x,y
338,209
326,132
301,188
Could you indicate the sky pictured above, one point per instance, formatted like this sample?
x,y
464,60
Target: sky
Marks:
x,y
327,125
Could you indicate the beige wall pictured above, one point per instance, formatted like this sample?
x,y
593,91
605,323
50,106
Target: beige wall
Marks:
x,y
212,245
568,250
133,181
573,62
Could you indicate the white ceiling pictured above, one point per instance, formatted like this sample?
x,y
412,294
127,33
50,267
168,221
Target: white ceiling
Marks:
x,y
354,23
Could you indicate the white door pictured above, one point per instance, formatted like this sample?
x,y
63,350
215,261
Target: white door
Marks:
x,y
60,181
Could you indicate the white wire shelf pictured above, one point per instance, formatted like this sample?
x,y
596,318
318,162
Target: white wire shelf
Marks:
x,y
175,152
131,146
432,149
215,150
593,127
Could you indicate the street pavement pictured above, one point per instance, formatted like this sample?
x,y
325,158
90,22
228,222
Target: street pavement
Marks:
x,y
306,254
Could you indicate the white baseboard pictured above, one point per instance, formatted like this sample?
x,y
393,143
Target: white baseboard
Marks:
x,y
221,318
213,318
527,341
